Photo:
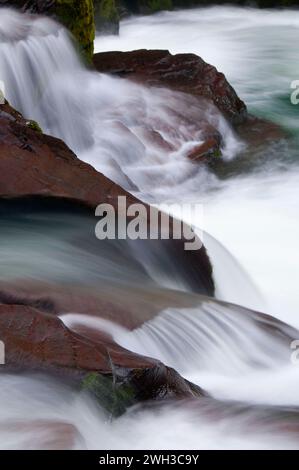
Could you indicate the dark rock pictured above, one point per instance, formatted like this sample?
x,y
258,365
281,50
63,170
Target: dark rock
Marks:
x,y
39,342
34,164
189,74
186,73
256,131
210,148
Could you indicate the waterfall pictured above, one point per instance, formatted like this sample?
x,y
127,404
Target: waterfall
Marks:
x,y
111,123
242,358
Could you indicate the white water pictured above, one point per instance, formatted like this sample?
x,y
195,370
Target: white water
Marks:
x,y
254,216
256,49
109,122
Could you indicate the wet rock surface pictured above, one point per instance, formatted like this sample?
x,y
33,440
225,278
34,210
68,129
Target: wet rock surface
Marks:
x,y
186,73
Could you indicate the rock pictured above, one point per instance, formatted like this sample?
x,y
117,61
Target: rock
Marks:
x,y
189,74
204,151
210,148
186,73
128,307
106,16
32,163
76,15
256,131
49,434
39,342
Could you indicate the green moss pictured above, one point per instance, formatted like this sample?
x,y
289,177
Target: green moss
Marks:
x,y
158,5
107,9
34,126
106,16
217,153
151,6
78,17
115,397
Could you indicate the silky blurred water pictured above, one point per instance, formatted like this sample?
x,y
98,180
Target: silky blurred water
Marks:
x,y
254,215
240,357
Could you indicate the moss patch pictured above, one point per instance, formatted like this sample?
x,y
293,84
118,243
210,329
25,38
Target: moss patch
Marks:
x,y
34,126
114,396
158,5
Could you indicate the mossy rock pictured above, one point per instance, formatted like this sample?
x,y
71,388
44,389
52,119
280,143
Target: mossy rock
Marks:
x,y
112,395
106,16
152,6
78,17
158,5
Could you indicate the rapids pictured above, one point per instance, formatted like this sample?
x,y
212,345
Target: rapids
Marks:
x,y
250,219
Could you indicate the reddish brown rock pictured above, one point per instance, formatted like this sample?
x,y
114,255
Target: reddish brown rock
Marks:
x,y
40,342
209,148
32,163
48,434
189,74
203,151
259,132
186,73
119,305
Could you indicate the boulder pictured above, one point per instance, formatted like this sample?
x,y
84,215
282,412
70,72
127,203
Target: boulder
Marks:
x,y
186,73
34,164
36,341
189,74
76,15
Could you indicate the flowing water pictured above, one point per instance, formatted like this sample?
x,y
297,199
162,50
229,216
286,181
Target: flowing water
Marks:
x,y
253,215
250,219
